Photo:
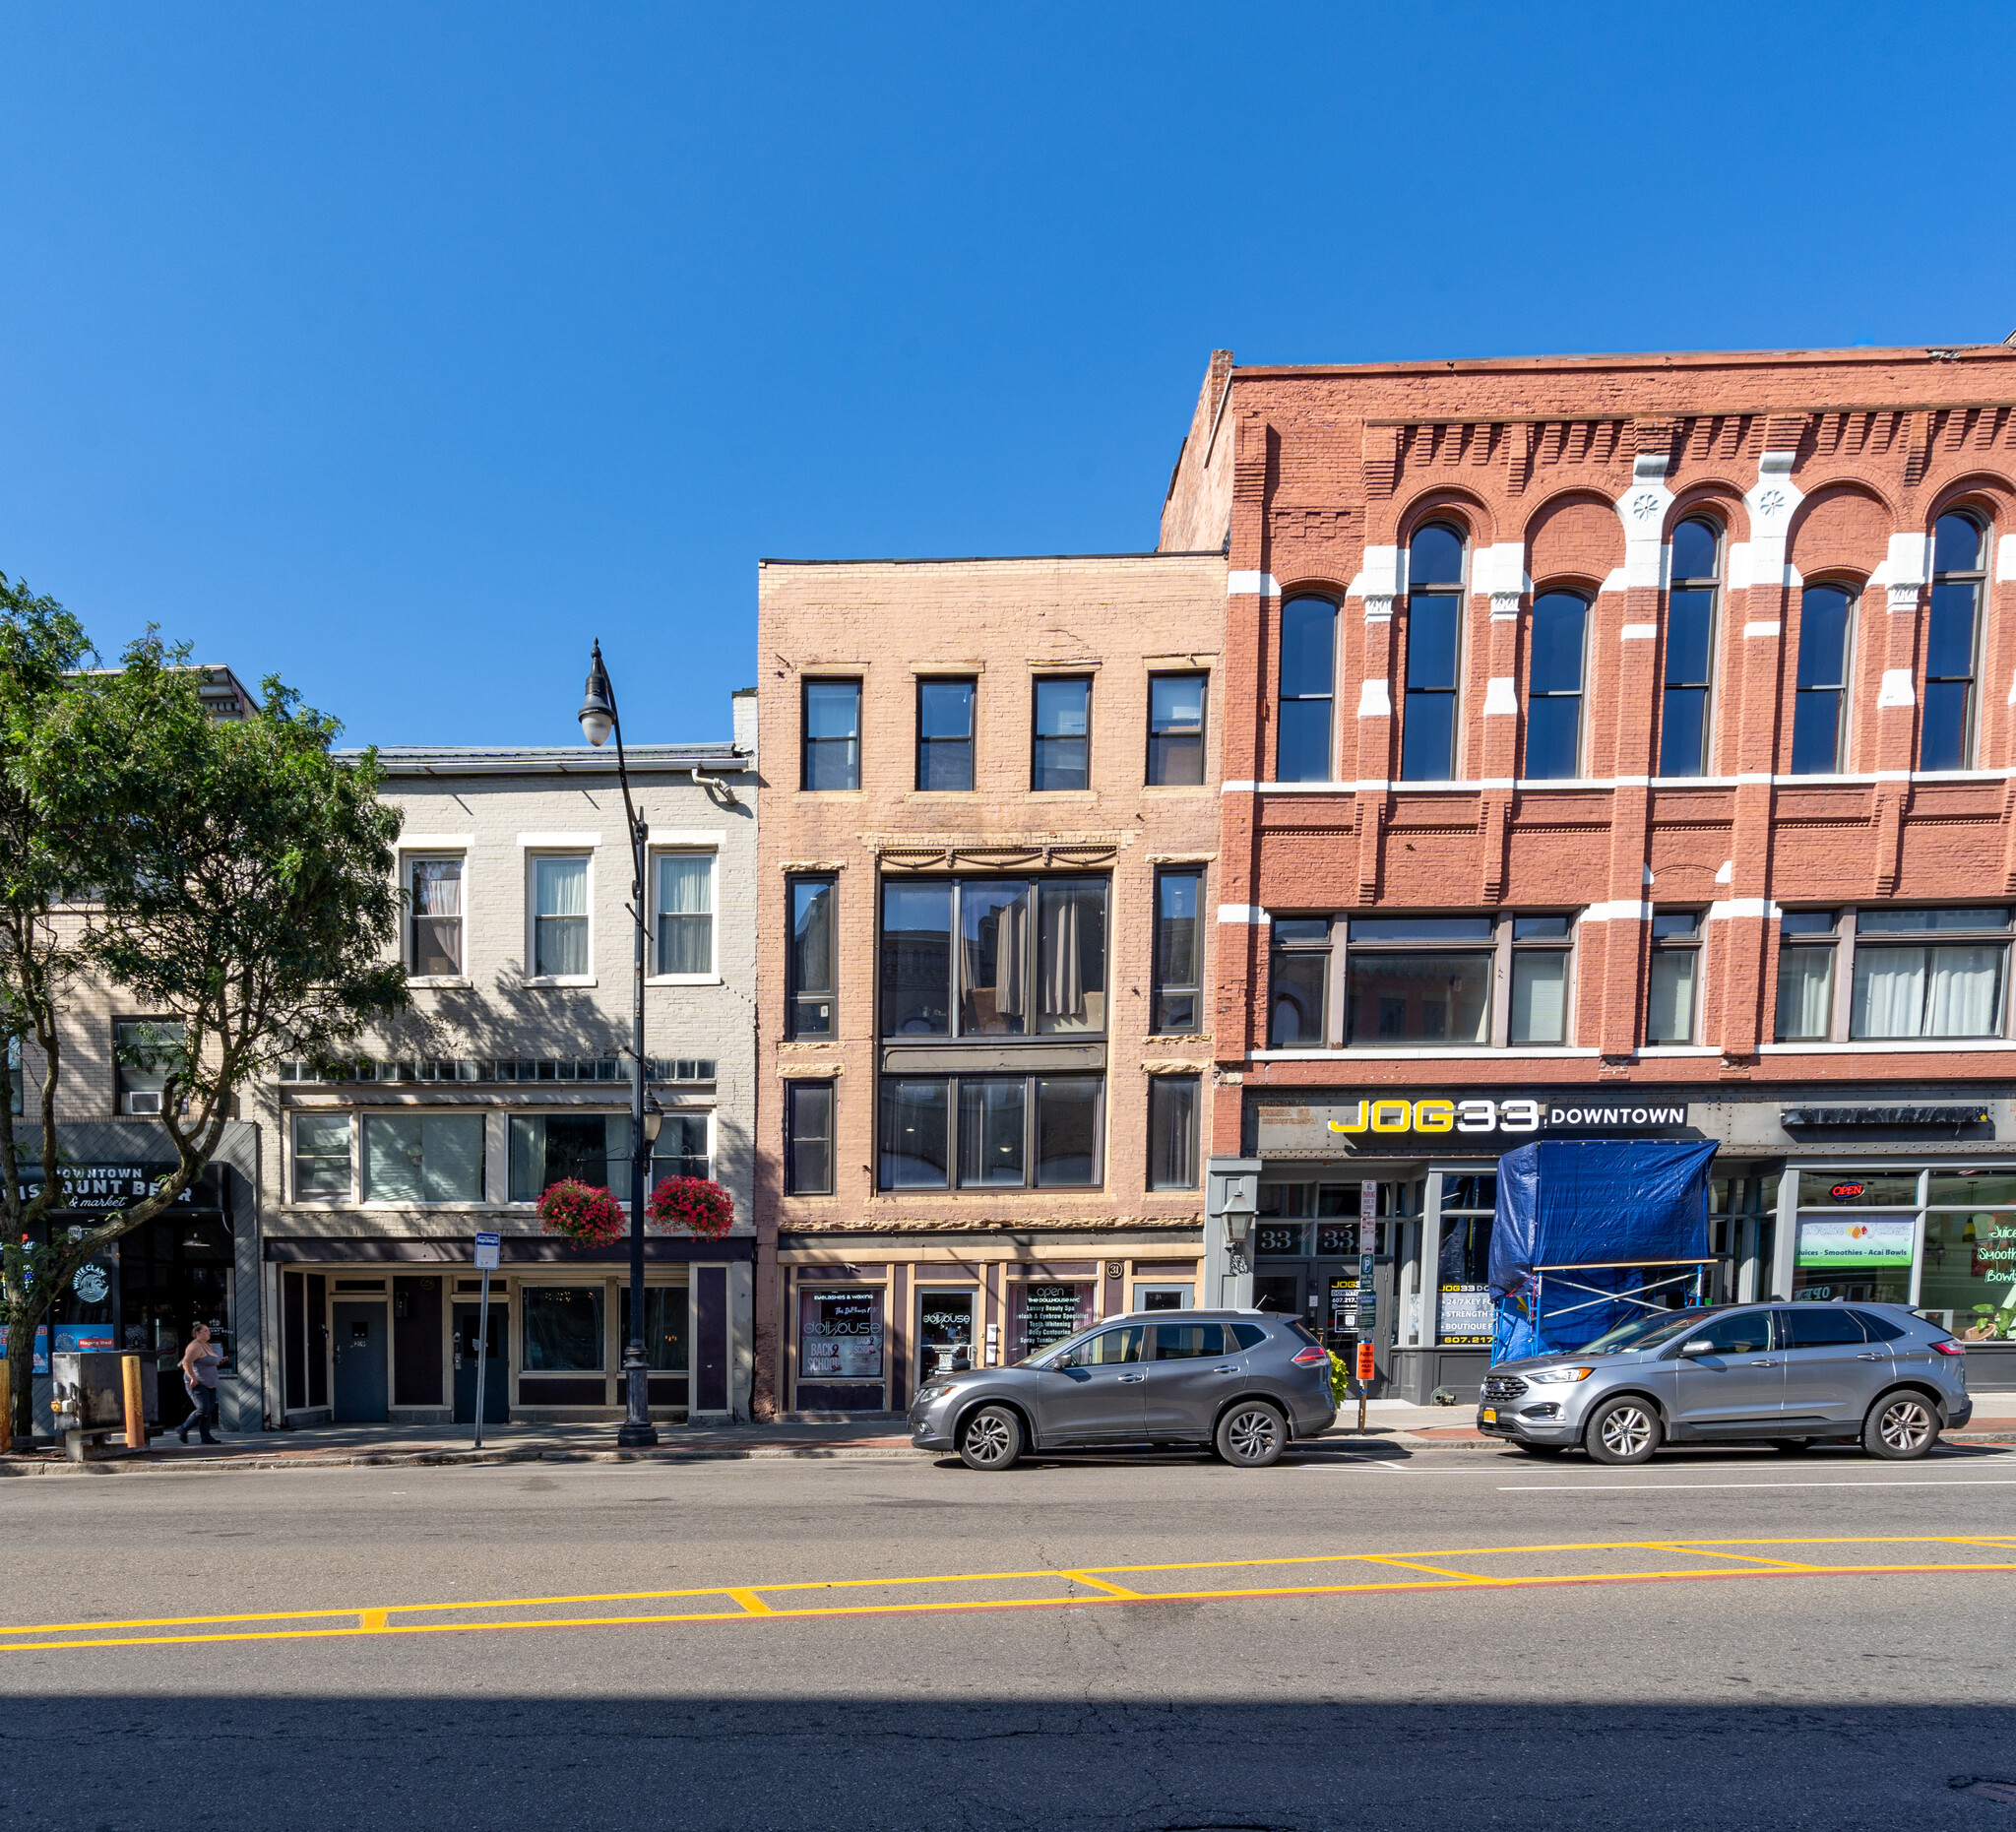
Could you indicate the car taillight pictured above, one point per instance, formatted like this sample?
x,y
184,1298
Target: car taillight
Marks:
x,y
1309,1356
1949,1346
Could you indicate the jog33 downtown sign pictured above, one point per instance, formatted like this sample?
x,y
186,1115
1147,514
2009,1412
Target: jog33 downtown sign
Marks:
x,y
1325,1124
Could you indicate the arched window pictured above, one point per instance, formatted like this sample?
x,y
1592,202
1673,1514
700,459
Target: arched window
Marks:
x,y
1819,726
1688,664
1435,627
1308,681
1945,739
1554,685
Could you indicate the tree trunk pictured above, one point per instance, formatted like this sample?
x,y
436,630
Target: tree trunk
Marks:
x,y
21,1358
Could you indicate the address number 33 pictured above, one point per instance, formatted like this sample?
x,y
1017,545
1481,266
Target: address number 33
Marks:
x,y
1439,1115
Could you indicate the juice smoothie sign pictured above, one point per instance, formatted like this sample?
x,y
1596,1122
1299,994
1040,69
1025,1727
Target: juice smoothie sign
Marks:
x,y
1856,1243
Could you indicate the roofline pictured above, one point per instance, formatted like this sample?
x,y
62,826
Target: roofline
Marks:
x,y
642,759
1002,559
1637,359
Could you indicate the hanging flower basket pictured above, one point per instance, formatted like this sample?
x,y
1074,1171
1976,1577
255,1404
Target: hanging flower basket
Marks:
x,y
703,1208
589,1217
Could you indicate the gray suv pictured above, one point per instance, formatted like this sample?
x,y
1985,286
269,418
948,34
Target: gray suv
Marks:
x,y
1791,1375
1242,1382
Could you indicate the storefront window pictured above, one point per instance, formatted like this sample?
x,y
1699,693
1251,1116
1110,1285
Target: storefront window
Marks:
x,y
1464,1316
945,1332
563,1328
1042,1314
840,1334
1863,1258
665,1327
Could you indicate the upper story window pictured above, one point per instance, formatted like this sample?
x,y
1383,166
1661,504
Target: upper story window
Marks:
x,y
1819,717
1060,746
550,1148
1174,1113
807,1138
144,1052
1905,974
812,990
434,919
1808,941
1179,953
685,914
322,1157
1673,1004
1175,729
1308,681
1688,662
1421,982
1554,685
1031,957
945,735
833,734
560,948
1434,643
1953,643
423,1156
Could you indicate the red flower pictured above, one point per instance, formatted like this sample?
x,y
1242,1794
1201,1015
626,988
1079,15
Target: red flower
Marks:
x,y
587,1216
701,1207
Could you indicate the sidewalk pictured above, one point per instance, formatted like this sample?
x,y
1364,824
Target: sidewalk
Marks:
x,y
1391,1426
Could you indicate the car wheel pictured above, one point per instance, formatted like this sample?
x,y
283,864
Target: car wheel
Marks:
x,y
1626,1431
1252,1435
1544,1450
1901,1426
992,1439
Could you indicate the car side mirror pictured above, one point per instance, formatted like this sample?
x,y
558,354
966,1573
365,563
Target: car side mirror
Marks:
x,y
1699,1346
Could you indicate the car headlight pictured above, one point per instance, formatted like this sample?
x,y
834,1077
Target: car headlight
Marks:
x,y
926,1395
1559,1377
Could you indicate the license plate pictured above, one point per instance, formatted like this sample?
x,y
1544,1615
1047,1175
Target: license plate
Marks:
x,y
1489,1415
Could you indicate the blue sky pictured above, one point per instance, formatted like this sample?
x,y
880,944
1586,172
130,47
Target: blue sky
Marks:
x,y
403,349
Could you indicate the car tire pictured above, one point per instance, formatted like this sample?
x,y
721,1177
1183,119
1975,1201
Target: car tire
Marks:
x,y
1252,1435
1900,1428
990,1439
1625,1431
1545,1450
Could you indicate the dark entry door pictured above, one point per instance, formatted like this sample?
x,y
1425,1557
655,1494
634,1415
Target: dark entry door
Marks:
x,y
496,1400
360,1355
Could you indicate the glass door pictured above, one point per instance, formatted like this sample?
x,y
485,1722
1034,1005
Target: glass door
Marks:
x,y
946,1331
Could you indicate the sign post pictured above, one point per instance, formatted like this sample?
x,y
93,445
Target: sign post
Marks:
x,y
1367,1299
1365,1371
487,1254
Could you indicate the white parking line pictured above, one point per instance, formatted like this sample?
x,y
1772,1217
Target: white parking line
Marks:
x,y
1955,1482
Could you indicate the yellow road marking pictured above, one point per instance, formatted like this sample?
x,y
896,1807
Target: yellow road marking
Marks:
x,y
749,1601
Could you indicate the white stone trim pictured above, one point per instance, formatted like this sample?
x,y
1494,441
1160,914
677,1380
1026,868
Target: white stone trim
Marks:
x,y
1265,584
1381,575
1624,909
1374,702
437,842
1897,688
1744,906
1250,914
1499,698
559,842
1762,627
1638,632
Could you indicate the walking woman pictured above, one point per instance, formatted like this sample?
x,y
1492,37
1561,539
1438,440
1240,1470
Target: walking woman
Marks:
x,y
199,1374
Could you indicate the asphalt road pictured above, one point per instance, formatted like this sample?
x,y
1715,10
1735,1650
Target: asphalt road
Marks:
x,y
1581,1668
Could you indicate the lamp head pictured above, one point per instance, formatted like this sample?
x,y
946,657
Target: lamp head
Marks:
x,y
654,1118
597,705
1238,1223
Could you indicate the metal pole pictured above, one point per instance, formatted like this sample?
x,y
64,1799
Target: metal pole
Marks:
x,y
637,1432
483,1350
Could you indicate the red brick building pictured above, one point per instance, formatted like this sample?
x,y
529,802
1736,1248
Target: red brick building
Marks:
x,y
1616,746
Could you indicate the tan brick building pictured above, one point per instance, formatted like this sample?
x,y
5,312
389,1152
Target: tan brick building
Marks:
x,y
987,850
1619,746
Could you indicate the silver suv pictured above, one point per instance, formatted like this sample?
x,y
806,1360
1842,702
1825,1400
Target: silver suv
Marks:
x,y
1791,1375
1242,1382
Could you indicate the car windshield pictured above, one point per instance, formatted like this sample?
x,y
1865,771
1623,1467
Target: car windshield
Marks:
x,y
1058,1349
1646,1332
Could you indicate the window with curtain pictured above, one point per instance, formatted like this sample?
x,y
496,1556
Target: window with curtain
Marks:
x,y
1179,987
434,918
685,912
1541,956
1434,641
1688,660
1928,973
1952,643
1030,959
682,1148
990,1131
807,1138
945,735
1819,724
322,1157
550,1148
1308,680
1553,687
562,1328
1806,947
1061,748
1670,1012
559,917
423,1156
1173,1104
811,1011
833,734
1298,983
1175,729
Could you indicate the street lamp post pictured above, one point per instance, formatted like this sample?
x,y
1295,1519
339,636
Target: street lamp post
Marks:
x,y
598,720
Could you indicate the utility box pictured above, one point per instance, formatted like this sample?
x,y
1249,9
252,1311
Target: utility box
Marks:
x,y
89,1394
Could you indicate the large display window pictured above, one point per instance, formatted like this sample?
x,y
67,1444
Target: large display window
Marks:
x,y
1043,1312
841,1333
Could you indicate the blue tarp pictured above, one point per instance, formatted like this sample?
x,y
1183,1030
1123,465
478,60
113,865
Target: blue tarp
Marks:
x,y
1588,1204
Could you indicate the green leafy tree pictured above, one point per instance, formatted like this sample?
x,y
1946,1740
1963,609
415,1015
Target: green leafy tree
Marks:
x,y
230,876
